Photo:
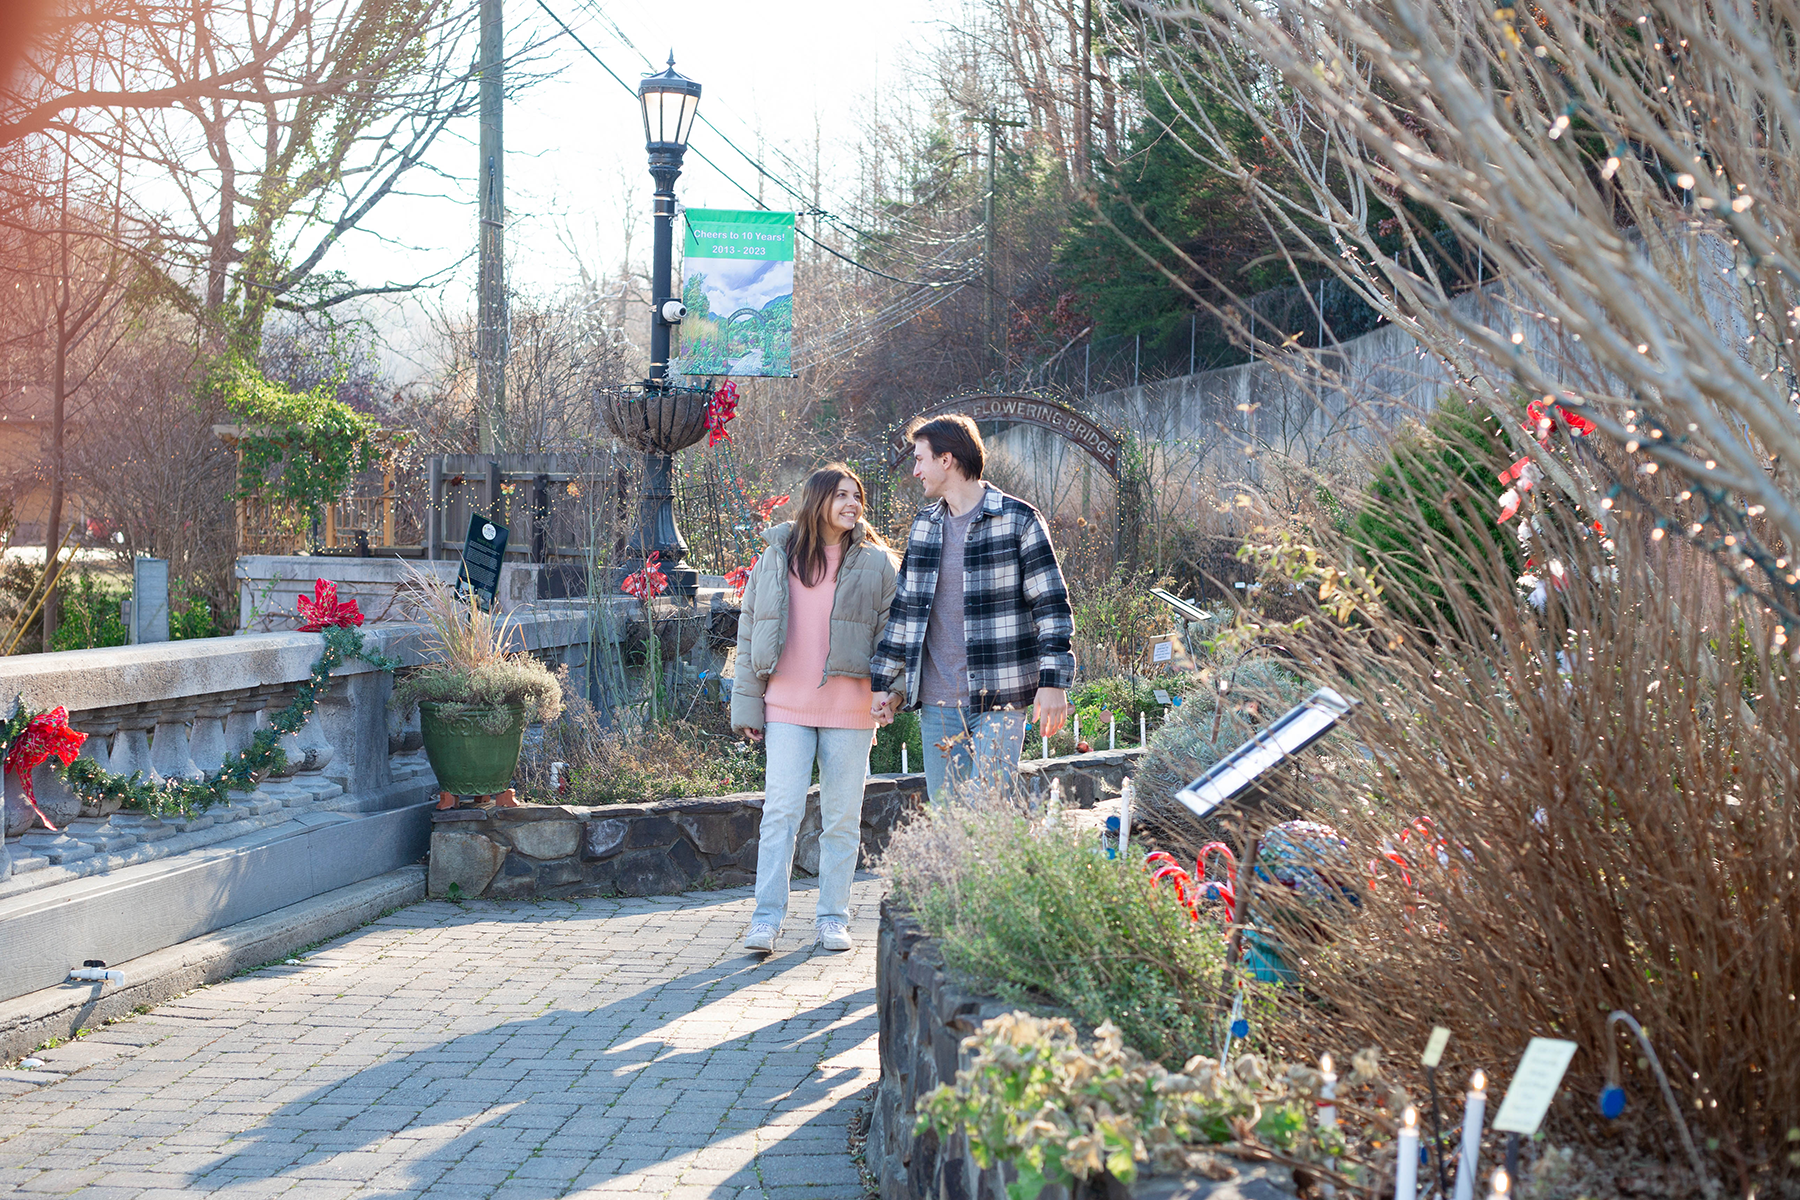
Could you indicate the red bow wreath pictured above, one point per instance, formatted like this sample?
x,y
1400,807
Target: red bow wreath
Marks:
x,y
46,736
765,509
738,579
648,583
720,409
326,609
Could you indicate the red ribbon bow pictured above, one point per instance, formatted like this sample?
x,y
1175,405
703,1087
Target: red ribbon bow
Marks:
x,y
326,609
648,583
720,409
46,735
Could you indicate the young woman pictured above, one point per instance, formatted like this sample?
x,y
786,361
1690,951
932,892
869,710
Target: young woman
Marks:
x,y
815,602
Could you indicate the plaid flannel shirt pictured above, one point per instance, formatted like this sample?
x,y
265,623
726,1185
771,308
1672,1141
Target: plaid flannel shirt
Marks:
x,y
1016,617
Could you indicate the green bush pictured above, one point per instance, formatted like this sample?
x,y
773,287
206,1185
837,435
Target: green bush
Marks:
x,y
1040,915
90,615
884,759
1447,477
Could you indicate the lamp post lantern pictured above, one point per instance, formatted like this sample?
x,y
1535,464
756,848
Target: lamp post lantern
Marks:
x,y
658,417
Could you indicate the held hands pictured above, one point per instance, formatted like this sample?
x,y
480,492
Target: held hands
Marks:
x,y
883,706
1050,710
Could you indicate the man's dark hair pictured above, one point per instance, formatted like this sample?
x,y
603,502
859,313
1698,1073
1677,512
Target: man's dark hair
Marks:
x,y
955,435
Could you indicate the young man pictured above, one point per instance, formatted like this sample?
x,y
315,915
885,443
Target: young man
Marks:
x,y
980,626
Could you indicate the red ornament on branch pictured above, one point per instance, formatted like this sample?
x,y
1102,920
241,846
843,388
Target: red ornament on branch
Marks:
x,y
720,409
765,509
738,579
46,736
648,583
324,608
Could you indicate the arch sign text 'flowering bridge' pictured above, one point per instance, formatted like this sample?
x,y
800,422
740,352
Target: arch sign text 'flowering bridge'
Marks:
x,y
1099,443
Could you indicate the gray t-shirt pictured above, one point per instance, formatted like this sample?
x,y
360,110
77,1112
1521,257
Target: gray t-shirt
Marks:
x,y
944,673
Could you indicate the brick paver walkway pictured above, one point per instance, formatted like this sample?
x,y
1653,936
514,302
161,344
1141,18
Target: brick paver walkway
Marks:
x,y
529,1050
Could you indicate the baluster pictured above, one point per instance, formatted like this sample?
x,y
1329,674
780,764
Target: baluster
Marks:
x,y
131,747
207,743
241,723
277,697
170,750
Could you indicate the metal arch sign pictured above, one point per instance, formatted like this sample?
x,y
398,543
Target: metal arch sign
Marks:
x,y
1100,444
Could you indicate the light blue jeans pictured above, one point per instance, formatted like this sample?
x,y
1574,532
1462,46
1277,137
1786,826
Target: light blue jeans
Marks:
x,y
843,757
979,748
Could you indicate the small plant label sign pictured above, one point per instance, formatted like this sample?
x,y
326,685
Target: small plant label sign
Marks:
x,y
1162,697
1533,1086
1434,1047
1162,651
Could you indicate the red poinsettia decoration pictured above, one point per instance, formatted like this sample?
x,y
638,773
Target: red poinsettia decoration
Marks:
x,y
648,583
738,578
720,409
46,736
766,508
326,609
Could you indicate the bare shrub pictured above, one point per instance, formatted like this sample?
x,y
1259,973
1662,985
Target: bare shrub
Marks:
x,y
1609,790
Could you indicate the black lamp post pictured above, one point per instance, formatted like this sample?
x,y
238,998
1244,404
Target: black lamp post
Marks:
x,y
660,418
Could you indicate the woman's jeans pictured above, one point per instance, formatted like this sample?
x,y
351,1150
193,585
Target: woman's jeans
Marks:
x,y
843,756
983,748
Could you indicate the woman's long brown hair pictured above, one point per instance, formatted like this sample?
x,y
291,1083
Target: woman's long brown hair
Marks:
x,y
812,530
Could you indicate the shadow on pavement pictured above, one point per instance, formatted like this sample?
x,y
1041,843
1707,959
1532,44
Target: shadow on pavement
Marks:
x,y
562,1100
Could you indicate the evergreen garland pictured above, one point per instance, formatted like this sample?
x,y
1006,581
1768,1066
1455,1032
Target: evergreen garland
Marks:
x,y
240,772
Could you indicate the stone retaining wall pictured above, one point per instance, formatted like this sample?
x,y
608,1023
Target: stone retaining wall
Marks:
x,y
635,849
924,1016
673,845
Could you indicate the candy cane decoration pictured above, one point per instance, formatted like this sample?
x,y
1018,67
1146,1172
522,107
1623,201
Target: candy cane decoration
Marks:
x,y
1212,889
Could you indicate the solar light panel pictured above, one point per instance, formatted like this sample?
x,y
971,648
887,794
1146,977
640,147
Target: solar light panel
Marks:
x,y
1235,774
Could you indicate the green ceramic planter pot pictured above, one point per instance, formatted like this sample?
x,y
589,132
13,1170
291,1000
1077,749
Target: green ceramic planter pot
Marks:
x,y
468,759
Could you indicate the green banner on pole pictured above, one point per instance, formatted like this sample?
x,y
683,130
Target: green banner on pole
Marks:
x,y
738,285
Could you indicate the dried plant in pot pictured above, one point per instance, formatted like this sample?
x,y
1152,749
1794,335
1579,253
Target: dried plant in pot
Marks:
x,y
477,691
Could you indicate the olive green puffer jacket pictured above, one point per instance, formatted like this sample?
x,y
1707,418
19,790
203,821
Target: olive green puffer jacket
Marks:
x,y
859,610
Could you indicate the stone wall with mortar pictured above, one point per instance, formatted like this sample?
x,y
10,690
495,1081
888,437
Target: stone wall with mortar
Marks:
x,y
673,845
924,1014
634,849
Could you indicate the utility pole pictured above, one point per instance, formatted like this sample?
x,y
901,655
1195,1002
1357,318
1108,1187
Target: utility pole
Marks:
x,y
490,286
989,331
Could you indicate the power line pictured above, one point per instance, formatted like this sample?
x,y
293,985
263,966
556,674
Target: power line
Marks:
x,y
810,210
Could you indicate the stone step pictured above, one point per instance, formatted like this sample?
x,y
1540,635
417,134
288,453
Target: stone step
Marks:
x,y
129,838
59,915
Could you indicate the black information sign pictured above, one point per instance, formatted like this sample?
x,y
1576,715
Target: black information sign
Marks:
x,y
483,551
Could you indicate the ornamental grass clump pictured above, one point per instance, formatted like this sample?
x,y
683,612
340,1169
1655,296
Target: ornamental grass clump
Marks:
x,y
1589,775
476,668
1039,915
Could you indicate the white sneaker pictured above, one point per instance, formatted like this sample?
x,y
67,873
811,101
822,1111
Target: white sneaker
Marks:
x,y
761,937
834,935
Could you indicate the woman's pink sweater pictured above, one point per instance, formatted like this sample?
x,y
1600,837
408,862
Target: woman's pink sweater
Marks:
x,y
794,695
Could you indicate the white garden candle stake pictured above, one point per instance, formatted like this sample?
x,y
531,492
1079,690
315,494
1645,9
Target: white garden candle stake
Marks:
x,y
905,767
1046,747
1327,1109
1406,1165
1125,792
1078,733
1112,732
1140,729
1501,1184
1474,1108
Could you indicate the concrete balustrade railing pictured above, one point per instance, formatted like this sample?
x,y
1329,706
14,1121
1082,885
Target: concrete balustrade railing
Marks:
x,y
177,709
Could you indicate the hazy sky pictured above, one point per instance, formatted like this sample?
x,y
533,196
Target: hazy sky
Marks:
x,y
575,142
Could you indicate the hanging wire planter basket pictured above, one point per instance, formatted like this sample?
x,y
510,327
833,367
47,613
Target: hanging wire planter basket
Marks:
x,y
656,418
